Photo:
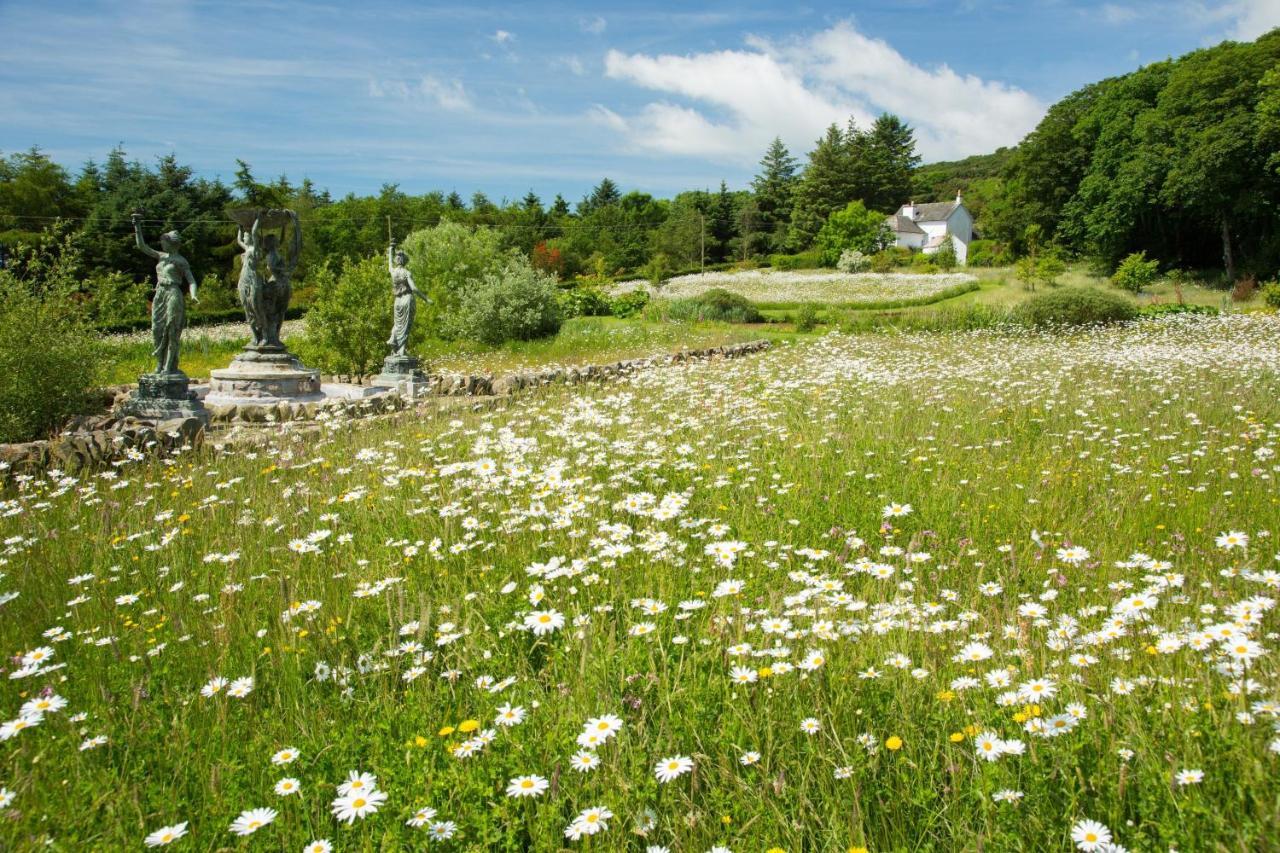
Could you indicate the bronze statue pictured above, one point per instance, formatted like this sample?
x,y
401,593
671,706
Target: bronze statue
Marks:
x,y
278,289
405,292
250,288
168,308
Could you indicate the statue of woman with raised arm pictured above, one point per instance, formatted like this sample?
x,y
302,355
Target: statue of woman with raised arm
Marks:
x,y
279,274
250,286
168,308
405,292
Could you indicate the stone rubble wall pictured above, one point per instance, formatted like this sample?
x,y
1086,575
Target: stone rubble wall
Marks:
x,y
97,441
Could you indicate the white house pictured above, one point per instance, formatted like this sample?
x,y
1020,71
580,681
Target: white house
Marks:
x,y
927,226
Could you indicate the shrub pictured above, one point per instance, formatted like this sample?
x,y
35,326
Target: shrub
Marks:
x,y
855,227
1135,273
1271,293
1244,288
851,260
800,261
584,301
50,362
1075,306
716,305
945,257
350,318
629,304
988,253
1176,308
807,317
517,302
447,261
547,258
882,262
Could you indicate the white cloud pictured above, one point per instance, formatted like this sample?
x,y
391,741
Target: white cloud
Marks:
x,y
796,88
1113,13
595,26
446,94
503,37
1251,18
449,94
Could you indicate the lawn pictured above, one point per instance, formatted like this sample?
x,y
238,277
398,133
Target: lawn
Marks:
x,y
916,592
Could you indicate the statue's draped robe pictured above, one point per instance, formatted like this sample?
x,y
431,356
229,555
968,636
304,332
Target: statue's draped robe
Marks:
x,y
405,309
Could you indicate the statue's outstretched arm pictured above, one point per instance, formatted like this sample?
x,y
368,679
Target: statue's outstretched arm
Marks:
x,y
191,281
137,236
240,239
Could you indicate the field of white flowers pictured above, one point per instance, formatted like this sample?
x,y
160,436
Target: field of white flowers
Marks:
x,y
995,590
826,288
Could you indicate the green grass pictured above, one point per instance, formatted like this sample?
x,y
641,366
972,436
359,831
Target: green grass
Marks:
x,y
1150,438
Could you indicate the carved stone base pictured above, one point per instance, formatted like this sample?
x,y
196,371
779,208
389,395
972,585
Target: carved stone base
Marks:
x,y
163,397
264,375
402,372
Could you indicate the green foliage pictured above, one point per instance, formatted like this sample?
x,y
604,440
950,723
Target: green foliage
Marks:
x,y
350,318
514,303
799,261
856,228
1163,308
945,257
1271,293
715,305
988,253
1136,273
583,301
447,261
50,361
629,304
774,188
1075,306
807,317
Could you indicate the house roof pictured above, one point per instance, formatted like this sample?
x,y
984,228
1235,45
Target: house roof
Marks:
x,y
900,224
936,211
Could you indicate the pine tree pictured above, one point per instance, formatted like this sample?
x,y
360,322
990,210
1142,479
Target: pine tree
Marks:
x,y
774,188
824,187
721,225
890,159
559,207
605,194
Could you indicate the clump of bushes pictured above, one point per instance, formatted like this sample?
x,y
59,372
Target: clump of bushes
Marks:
x,y
1271,293
1075,306
807,317
585,301
515,303
629,304
1136,273
851,260
716,305
800,261
855,227
50,361
988,253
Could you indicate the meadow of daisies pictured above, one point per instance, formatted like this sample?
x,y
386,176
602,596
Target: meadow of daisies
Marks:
x,y
984,591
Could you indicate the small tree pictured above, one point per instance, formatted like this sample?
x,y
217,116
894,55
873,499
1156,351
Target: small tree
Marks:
x,y
945,257
1136,273
446,261
348,322
855,227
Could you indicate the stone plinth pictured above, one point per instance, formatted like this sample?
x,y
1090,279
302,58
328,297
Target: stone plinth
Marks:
x,y
262,376
403,373
163,397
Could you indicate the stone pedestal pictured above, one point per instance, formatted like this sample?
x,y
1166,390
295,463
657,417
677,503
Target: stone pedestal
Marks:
x,y
264,376
403,373
163,397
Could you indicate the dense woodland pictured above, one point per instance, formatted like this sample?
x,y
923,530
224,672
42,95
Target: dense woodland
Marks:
x,y
1180,159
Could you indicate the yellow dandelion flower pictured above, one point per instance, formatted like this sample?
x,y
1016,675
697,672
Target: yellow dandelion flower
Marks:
x,y
893,744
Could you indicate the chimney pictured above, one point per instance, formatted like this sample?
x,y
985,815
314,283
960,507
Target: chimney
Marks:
x,y
957,196
909,210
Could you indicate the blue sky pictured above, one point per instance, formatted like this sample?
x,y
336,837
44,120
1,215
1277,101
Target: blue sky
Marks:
x,y
659,96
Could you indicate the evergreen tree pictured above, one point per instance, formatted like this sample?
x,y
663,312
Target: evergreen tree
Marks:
x,y
604,194
890,158
559,207
721,226
824,187
454,202
774,187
